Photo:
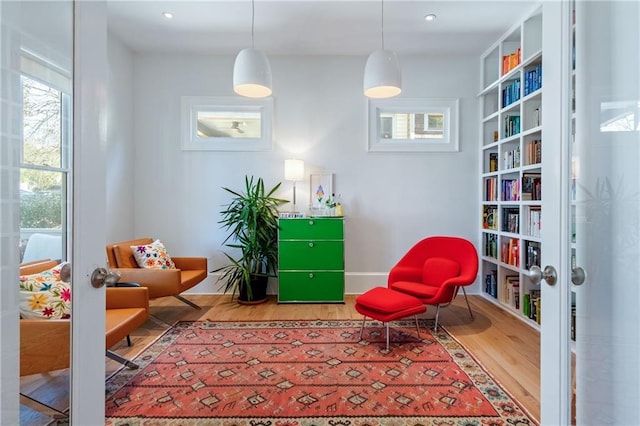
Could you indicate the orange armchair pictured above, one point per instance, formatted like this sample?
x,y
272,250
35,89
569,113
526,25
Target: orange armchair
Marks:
x,y
435,269
160,282
126,310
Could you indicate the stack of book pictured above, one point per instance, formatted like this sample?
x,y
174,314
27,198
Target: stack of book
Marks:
x,y
510,61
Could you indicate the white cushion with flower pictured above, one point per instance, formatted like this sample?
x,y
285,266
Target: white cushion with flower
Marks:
x,y
44,295
153,256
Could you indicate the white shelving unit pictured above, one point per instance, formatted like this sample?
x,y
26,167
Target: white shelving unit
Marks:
x,y
511,174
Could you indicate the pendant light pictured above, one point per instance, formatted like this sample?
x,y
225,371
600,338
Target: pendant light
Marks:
x,y
251,71
382,77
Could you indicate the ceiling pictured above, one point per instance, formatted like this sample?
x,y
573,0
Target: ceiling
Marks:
x,y
313,27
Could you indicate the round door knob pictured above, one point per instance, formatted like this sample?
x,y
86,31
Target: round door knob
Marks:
x,y
311,276
310,222
536,275
102,276
310,244
578,275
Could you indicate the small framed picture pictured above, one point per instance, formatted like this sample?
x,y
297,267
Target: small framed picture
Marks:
x,y
320,191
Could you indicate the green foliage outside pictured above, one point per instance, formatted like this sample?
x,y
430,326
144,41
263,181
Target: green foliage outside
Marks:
x,y
41,210
41,176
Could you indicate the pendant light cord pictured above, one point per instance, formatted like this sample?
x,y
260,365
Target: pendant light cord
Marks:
x,y
253,17
382,21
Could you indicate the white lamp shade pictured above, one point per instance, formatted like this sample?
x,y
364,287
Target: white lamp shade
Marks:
x,y
382,77
293,170
252,74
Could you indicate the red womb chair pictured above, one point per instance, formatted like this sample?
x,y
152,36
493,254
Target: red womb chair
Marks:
x,y
435,269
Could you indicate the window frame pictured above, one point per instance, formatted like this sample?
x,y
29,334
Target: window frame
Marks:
x,y
192,105
54,78
449,107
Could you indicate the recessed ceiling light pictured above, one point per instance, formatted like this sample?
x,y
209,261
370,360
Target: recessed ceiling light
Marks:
x,y
167,15
430,17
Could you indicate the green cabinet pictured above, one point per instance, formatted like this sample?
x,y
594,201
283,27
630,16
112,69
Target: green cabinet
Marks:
x,y
311,260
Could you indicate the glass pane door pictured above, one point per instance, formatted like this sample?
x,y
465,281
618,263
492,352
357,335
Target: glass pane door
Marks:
x,y
606,216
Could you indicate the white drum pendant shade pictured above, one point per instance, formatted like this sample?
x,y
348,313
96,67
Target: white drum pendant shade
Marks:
x,y
252,74
382,78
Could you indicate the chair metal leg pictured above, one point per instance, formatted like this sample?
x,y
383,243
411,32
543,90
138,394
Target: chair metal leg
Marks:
x,y
43,408
467,300
437,313
417,326
387,337
364,318
188,302
114,356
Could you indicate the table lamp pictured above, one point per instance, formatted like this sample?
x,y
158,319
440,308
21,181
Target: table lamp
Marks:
x,y
294,171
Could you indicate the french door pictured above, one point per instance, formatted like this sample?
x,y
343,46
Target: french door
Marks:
x,y
57,44
590,332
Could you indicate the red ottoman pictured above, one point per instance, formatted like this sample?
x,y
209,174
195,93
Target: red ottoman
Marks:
x,y
384,304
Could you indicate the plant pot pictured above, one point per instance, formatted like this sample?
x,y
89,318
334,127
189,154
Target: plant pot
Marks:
x,y
258,291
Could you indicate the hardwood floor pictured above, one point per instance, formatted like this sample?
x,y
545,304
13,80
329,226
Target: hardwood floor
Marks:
x,y
504,345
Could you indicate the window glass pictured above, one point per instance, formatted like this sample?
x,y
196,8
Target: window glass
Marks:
x,y
46,121
42,117
229,124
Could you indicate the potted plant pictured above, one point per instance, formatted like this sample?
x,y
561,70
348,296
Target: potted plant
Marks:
x,y
252,219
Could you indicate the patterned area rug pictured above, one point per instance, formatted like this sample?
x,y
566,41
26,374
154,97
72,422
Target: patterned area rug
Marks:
x,y
303,373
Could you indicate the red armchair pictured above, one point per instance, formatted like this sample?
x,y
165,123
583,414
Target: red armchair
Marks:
x,y
435,269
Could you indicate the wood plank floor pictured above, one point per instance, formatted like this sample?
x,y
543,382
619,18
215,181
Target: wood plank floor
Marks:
x,y
508,348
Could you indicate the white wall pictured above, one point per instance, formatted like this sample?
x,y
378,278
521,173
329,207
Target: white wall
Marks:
x,y
120,149
391,200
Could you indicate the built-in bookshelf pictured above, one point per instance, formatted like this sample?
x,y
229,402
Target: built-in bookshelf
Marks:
x,y
511,172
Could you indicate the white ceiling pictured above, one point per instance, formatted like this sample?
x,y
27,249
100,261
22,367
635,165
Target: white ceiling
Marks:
x,y
313,27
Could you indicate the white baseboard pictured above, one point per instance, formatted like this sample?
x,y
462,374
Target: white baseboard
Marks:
x,y
355,283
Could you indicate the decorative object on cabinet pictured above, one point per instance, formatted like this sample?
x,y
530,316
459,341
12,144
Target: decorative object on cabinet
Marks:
x,y
414,125
321,194
311,260
294,171
251,70
511,166
252,221
435,269
382,75
210,123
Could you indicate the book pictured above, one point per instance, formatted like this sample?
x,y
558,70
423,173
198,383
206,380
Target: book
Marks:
x,y
490,283
493,162
534,152
533,254
511,219
513,290
491,245
490,217
531,186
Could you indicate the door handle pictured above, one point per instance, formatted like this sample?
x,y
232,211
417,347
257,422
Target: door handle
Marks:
x,y
536,275
101,276
578,275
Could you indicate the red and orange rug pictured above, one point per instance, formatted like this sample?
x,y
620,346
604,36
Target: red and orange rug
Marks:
x,y
286,373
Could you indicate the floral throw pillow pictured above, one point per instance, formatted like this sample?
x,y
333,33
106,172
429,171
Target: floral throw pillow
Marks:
x,y
153,256
45,296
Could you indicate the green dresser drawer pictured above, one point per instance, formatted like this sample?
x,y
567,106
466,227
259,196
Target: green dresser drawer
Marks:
x,y
311,255
316,228
311,286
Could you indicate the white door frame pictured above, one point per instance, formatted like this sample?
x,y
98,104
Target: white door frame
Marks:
x,y
89,211
555,348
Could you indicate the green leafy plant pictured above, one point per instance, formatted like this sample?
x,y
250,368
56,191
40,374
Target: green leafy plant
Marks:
x,y
252,221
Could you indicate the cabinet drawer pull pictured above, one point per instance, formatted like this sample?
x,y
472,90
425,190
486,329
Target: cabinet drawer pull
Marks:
x,y
311,275
310,244
311,222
